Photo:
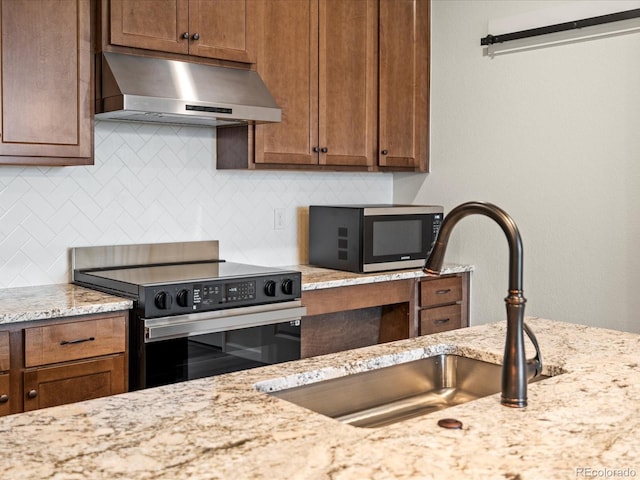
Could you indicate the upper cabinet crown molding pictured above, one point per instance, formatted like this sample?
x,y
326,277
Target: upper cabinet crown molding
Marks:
x,y
47,82
352,79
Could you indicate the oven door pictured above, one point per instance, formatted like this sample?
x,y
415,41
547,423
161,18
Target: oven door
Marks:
x,y
186,347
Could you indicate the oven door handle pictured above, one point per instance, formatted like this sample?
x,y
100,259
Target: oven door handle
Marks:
x,y
179,326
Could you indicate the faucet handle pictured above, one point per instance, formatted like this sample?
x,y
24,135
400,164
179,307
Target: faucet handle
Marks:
x,y
534,365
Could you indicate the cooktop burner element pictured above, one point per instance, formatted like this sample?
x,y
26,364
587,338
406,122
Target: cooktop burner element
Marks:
x,y
197,284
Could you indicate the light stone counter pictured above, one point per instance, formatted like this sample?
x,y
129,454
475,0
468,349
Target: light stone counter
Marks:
x,y
40,302
315,278
585,417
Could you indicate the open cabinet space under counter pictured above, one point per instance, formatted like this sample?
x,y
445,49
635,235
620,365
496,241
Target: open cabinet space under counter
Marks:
x,y
348,310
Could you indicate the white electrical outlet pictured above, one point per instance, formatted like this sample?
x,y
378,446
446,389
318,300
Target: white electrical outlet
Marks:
x,y
278,219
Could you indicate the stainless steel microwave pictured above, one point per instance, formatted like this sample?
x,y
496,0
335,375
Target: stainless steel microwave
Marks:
x,y
372,238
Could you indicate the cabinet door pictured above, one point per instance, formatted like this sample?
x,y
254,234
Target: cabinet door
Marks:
x,y
5,404
288,64
223,29
440,319
74,382
404,84
347,82
45,61
5,358
151,24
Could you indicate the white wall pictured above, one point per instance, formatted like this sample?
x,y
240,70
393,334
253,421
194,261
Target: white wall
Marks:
x,y
553,136
155,183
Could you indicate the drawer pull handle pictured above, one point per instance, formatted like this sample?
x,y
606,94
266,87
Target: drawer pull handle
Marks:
x,y
4,398
441,321
442,292
31,394
80,340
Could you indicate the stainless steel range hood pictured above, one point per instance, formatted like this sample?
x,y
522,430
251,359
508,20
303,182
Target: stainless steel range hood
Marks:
x,y
155,90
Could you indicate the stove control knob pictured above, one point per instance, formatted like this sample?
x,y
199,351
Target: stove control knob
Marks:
x,y
163,300
182,298
287,286
270,288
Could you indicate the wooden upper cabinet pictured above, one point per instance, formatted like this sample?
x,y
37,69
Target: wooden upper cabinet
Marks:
x,y
288,64
347,82
404,84
321,71
151,24
352,80
46,75
220,29
225,29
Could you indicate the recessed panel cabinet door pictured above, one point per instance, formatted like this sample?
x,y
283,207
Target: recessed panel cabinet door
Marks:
x,y
288,64
404,84
347,82
151,24
321,70
223,29
45,60
220,29
74,382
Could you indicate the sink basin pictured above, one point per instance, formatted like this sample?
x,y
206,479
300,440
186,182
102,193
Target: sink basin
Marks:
x,y
399,392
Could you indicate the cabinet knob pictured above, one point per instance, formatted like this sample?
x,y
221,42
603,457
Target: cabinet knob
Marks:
x,y
4,398
31,394
316,149
195,36
185,35
324,149
384,152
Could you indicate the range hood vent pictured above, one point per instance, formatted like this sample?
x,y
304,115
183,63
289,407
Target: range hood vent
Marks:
x,y
144,89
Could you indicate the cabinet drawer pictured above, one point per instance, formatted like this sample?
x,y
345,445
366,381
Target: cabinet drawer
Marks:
x,y
5,404
440,319
74,341
4,351
441,291
74,382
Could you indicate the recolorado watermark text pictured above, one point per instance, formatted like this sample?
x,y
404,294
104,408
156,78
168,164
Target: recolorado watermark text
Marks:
x,y
603,472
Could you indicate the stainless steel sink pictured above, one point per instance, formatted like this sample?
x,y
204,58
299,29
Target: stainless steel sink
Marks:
x,y
399,392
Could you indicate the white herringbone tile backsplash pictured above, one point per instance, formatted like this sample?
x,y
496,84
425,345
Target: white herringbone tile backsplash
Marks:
x,y
158,183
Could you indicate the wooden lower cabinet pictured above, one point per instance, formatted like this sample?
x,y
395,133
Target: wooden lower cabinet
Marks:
x,y
45,363
5,385
344,318
74,382
5,405
443,304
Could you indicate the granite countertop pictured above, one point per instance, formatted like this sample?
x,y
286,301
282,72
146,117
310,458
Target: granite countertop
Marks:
x,y
23,304
40,302
582,422
315,278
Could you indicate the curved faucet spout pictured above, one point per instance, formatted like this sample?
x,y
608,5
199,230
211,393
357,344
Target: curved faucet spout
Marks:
x,y
502,218
515,365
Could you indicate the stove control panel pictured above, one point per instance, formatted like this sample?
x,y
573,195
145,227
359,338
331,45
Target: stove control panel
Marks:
x,y
182,298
